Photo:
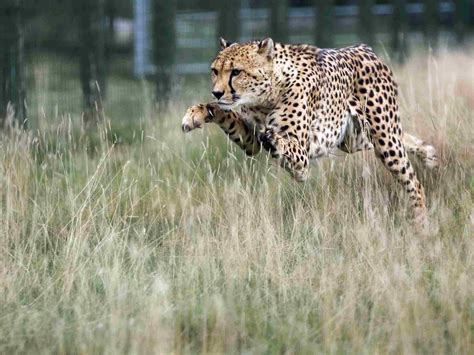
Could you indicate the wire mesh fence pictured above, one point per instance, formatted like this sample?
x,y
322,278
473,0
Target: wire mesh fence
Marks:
x,y
77,55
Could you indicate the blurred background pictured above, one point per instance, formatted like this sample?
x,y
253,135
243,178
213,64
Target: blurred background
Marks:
x,y
128,57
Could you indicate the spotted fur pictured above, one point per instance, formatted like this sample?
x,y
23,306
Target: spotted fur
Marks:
x,y
300,102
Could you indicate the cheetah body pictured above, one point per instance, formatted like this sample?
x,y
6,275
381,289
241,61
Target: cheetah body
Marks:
x,y
300,102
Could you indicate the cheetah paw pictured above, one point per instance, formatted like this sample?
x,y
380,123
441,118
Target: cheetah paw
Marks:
x,y
196,116
270,144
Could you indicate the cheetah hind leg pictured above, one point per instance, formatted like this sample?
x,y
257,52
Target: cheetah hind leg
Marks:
x,y
356,137
422,150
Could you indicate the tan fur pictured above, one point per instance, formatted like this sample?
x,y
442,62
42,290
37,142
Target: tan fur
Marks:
x,y
300,102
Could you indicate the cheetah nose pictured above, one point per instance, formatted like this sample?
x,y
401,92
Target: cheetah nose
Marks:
x,y
218,94
186,128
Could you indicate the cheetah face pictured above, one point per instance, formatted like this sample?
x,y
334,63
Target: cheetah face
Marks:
x,y
241,73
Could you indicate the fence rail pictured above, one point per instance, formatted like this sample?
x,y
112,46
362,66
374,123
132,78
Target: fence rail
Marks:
x,y
80,52
254,24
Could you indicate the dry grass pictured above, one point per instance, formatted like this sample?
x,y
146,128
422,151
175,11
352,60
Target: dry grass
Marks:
x,y
181,244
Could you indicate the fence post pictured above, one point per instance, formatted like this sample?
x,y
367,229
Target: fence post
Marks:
x,y
228,21
431,22
92,55
12,61
164,46
461,19
324,19
399,30
366,22
279,20
110,14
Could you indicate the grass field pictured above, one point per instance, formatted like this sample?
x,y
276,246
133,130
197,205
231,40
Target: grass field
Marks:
x,y
173,243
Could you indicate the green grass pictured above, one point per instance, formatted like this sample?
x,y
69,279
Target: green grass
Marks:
x,y
170,243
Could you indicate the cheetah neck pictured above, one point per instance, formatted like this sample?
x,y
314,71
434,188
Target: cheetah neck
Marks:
x,y
285,69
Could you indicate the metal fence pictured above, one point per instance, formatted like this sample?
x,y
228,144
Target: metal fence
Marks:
x,y
76,53
197,30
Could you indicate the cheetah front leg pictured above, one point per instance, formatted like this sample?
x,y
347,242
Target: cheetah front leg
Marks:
x,y
289,152
288,143
230,122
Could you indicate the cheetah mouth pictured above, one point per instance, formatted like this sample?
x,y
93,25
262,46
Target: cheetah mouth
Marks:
x,y
226,103
237,101
226,106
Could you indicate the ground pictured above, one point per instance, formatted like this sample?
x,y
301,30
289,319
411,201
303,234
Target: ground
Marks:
x,y
171,243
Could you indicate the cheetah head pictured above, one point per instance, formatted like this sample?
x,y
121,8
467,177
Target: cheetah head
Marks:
x,y
242,72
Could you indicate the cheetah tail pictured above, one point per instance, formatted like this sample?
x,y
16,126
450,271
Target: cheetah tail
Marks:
x,y
425,152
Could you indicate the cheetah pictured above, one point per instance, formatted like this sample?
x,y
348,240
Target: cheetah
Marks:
x,y
301,102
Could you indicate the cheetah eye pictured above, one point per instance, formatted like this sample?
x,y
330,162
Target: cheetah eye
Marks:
x,y
235,72
214,71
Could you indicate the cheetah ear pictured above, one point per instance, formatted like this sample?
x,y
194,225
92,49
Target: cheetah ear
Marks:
x,y
224,43
266,48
